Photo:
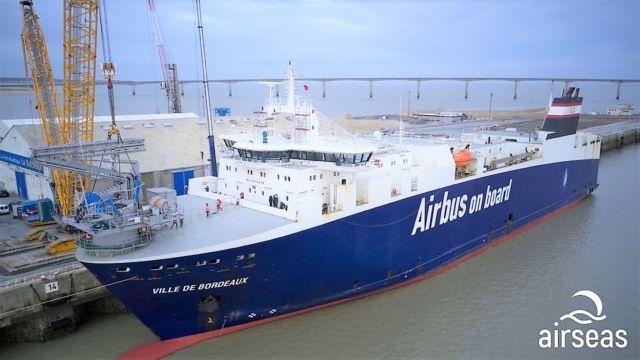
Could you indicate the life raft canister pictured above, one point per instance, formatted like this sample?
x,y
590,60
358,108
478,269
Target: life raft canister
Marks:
x,y
462,158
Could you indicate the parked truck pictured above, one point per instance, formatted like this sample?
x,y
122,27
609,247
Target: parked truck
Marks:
x,y
37,212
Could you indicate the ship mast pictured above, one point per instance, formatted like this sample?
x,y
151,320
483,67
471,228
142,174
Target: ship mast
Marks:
x,y
207,101
291,91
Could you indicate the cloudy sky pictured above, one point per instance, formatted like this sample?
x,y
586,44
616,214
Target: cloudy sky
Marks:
x,y
568,38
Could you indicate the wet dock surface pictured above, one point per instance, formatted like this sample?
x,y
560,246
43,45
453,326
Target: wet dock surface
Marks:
x,y
19,257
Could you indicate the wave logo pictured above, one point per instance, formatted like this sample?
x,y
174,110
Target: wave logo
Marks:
x,y
589,316
578,338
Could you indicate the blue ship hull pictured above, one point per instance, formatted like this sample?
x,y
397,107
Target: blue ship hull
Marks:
x,y
347,258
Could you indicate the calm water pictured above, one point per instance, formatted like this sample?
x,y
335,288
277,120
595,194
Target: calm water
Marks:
x,y
492,306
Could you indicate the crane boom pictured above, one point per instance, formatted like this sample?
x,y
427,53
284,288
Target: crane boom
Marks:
x,y
80,38
169,71
37,58
54,128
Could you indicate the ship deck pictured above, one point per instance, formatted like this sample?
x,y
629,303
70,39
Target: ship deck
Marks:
x,y
232,223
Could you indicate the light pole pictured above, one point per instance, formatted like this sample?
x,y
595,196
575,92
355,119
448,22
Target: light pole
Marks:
x,y
491,106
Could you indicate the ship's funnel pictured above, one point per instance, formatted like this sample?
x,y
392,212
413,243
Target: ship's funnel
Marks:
x,y
564,114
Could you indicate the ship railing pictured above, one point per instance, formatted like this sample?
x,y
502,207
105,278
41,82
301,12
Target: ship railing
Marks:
x,y
407,137
511,160
140,240
40,275
98,223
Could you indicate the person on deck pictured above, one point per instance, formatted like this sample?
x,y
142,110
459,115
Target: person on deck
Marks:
x,y
207,209
218,205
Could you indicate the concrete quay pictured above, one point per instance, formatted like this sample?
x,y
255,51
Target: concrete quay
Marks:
x,y
39,307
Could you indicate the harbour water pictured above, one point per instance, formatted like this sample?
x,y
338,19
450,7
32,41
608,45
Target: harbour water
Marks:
x,y
492,306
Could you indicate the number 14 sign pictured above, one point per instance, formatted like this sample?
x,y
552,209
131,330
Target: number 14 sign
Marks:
x,y
51,287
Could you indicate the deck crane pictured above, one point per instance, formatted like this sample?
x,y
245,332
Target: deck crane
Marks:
x,y
169,71
73,124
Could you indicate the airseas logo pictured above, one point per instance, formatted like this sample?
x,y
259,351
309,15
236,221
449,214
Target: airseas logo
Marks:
x,y
578,338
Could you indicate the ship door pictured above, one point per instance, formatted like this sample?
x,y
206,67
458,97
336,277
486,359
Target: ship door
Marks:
x,y
208,312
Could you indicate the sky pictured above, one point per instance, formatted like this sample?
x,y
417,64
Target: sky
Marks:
x,y
253,39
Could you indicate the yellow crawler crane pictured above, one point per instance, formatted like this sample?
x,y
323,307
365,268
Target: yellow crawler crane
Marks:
x,y
75,123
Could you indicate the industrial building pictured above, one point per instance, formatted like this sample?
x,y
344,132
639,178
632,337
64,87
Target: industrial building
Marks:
x,y
442,117
176,150
621,110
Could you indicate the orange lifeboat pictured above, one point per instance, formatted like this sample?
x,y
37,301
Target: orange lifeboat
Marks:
x,y
462,158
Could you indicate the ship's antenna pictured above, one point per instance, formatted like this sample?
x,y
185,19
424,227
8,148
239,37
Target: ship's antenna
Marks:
x,y
291,88
207,101
401,122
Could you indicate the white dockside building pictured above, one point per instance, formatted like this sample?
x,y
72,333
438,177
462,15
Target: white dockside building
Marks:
x,y
176,151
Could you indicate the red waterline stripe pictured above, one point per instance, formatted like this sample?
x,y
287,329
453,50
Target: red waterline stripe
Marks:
x,y
159,349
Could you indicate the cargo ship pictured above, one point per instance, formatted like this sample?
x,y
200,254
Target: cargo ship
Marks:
x,y
299,220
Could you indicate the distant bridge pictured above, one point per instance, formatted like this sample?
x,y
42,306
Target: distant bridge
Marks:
x,y
18,83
